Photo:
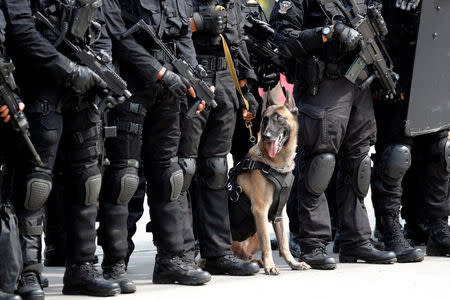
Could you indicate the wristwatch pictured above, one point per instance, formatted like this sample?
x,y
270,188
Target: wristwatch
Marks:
x,y
327,33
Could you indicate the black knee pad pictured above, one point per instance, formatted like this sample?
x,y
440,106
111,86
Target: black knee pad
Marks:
x,y
396,160
38,188
86,186
120,181
213,172
189,166
165,179
362,177
319,172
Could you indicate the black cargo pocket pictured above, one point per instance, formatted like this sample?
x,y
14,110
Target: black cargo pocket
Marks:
x,y
311,126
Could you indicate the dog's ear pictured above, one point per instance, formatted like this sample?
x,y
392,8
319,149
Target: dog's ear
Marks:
x,y
270,100
290,103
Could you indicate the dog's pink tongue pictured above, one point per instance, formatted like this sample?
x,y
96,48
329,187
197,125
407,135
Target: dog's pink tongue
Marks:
x,y
273,148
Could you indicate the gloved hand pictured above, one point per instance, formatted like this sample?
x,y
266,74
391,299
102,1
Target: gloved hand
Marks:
x,y
253,105
82,79
214,22
346,37
268,77
4,111
289,47
176,84
407,4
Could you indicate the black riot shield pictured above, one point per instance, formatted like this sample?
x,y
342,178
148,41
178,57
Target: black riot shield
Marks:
x,y
429,104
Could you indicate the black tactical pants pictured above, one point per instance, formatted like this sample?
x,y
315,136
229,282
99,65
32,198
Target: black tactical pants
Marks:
x,y
428,156
339,121
75,132
207,139
150,118
11,256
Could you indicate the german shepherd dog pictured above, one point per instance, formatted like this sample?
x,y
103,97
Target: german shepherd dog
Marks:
x,y
276,147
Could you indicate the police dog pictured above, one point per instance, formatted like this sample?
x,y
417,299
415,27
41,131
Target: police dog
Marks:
x,y
276,147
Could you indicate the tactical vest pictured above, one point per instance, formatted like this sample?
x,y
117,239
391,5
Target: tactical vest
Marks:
x,y
242,222
206,43
169,18
80,20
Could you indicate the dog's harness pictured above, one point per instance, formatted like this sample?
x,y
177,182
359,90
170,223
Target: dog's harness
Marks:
x,y
241,218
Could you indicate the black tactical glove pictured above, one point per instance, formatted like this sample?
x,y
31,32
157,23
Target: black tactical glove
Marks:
x,y
289,47
268,77
252,103
214,22
176,84
407,4
82,79
346,37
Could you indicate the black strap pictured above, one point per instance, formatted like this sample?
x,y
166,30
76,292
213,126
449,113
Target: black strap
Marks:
x,y
136,108
164,16
130,127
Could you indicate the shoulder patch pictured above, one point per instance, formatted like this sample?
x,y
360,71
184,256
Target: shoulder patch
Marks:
x,y
284,7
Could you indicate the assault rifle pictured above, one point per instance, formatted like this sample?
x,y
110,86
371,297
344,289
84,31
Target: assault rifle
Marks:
x,y
373,53
8,98
261,35
97,62
182,67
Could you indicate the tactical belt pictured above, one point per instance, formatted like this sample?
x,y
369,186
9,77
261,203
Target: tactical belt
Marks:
x,y
43,107
214,63
241,217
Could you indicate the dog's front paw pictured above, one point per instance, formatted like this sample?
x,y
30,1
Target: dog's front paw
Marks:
x,y
271,270
295,265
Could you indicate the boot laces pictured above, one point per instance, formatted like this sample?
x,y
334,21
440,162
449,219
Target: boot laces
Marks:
x,y
180,263
442,227
117,270
232,258
29,278
397,232
90,269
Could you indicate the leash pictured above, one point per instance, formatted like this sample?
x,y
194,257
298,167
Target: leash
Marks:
x,y
232,70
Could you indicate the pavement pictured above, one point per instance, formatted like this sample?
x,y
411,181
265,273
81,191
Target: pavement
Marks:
x,y
429,279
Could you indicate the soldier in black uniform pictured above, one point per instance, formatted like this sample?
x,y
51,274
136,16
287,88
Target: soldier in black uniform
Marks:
x,y
338,126
57,94
11,260
154,111
206,139
395,151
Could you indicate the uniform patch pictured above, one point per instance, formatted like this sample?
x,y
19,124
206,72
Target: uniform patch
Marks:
x,y
284,7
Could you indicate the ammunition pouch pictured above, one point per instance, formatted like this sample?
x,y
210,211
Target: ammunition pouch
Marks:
x,y
83,16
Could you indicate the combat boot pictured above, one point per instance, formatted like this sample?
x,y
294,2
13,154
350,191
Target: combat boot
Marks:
x,y
116,272
171,269
230,265
439,238
395,241
5,296
318,259
84,279
366,252
29,287
416,233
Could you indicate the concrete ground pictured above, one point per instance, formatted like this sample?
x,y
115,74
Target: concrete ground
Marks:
x,y
427,280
